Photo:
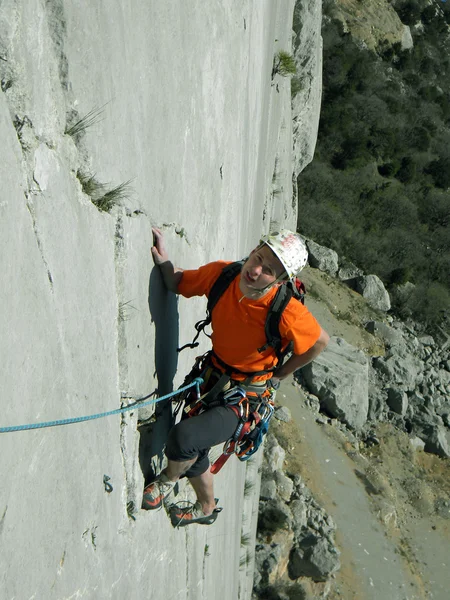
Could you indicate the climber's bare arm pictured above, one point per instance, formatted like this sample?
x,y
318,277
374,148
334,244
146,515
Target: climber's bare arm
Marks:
x,y
297,361
171,275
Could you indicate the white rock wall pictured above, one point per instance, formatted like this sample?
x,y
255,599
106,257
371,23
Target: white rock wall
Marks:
x,y
190,116
307,47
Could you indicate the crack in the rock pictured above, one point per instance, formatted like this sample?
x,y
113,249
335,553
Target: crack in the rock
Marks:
x,y
179,230
57,28
38,241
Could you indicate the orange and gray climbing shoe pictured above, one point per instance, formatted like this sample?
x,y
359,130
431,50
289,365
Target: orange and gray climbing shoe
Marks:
x,y
191,513
156,491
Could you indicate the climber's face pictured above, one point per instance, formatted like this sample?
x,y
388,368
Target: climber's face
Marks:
x,y
260,270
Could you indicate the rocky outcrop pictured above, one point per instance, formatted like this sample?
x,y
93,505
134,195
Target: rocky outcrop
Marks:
x,y
295,535
306,97
409,384
400,368
372,289
322,258
339,378
369,286
348,271
372,22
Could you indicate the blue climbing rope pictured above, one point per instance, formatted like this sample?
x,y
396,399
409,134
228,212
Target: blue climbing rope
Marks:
x,y
138,404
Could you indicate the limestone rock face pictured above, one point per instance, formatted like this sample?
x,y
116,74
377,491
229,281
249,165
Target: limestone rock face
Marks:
x,y
373,290
306,102
339,378
189,115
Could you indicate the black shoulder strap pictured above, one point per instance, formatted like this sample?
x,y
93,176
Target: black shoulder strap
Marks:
x,y
228,274
272,327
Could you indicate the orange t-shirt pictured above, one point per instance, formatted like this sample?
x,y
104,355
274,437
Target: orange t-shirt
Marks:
x,y
238,325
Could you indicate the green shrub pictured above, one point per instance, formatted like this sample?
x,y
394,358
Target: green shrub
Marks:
x,y
284,64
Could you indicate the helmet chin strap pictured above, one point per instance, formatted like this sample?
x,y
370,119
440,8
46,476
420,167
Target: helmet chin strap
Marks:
x,y
261,291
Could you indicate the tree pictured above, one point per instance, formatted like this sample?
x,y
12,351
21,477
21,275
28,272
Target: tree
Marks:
x,y
439,169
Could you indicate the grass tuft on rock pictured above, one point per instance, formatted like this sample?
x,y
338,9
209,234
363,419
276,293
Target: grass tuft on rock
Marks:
x,y
103,198
113,197
91,118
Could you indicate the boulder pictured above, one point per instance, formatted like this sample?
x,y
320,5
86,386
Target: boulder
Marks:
x,y
390,336
268,489
443,377
437,441
299,515
285,486
282,413
417,443
407,39
273,453
314,557
430,428
397,401
348,271
274,515
339,378
323,258
267,557
427,340
400,368
372,289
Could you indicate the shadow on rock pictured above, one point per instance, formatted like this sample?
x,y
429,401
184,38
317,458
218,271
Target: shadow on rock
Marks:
x,y
163,307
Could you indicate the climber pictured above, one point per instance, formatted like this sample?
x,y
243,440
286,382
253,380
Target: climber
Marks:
x,y
238,350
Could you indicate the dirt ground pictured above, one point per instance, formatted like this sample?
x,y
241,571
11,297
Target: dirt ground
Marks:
x,y
408,489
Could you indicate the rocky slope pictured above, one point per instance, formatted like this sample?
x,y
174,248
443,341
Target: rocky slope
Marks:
x,y
373,440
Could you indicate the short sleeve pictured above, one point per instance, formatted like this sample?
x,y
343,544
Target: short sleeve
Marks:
x,y
298,325
198,282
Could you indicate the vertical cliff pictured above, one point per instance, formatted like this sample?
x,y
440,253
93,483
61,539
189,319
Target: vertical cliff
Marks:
x,y
176,103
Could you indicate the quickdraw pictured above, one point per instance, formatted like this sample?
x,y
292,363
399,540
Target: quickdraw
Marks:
x,y
250,432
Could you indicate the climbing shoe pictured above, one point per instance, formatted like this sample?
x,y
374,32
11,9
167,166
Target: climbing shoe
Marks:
x,y
156,491
190,514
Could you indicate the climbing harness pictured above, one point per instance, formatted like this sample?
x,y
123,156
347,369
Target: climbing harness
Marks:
x,y
252,403
139,403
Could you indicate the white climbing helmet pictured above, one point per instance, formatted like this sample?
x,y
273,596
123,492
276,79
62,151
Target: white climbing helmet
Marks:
x,y
289,248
